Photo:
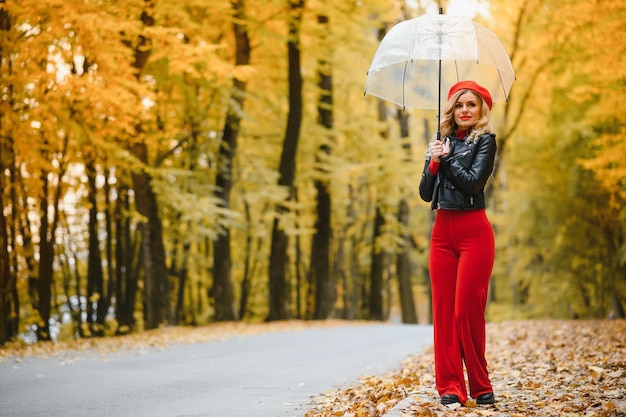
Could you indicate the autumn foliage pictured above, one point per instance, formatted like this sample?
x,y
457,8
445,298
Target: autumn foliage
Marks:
x,y
183,162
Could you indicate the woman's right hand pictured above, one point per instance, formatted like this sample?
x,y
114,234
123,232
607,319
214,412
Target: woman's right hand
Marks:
x,y
439,148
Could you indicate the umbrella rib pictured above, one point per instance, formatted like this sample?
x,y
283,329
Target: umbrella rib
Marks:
x,y
404,85
501,83
506,99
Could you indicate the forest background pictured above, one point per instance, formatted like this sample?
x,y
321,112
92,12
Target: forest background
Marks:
x,y
180,162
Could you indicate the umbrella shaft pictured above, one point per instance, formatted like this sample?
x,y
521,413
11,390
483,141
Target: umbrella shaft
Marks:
x,y
439,105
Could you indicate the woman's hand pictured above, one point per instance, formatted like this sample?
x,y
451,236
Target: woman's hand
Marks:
x,y
439,148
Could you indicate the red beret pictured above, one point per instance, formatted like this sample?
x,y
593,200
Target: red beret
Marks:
x,y
471,85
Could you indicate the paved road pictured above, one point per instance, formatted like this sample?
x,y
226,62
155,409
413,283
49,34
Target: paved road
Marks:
x,y
266,375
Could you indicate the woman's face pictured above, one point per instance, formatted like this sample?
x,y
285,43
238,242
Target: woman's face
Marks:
x,y
467,111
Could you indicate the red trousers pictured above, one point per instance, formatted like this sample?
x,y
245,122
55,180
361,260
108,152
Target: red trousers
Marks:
x,y
461,259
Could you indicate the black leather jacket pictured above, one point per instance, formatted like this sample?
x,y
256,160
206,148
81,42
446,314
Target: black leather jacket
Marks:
x,y
463,173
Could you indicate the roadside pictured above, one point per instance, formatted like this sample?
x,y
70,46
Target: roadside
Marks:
x,y
162,337
538,368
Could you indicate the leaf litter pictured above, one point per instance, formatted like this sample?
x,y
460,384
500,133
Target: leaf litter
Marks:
x,y
537,368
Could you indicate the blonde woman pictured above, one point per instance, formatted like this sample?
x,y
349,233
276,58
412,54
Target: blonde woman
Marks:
x,y
462,245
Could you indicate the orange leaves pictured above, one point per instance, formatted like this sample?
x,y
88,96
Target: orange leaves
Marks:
x,y
538,368
558,367
374,397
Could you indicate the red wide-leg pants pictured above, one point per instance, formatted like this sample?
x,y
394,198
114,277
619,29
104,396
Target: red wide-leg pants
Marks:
x,y
461,259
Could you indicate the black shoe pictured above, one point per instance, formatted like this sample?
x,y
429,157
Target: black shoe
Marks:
x,y
486,399
447,399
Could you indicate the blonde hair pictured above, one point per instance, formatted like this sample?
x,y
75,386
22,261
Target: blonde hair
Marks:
x,y
448,126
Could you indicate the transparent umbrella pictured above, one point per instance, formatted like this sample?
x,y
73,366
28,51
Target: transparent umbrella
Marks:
x,y
419,59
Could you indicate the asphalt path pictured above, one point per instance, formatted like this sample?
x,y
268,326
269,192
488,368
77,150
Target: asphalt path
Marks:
x,y
272,374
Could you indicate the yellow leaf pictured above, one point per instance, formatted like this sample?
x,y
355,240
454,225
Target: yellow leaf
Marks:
x,y
597,372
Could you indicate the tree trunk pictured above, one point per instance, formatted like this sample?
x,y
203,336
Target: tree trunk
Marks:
x,y
7,278
325,282
95,278
5,25
376,311
248,272
377,268
111,285
67,263
618,307
9,301
5,270
279,305
46,256
156,284
76,310
125,274
47,233
403,261
340,271
156,296
222,279
353,285
278,286
222,289
403,266
182,273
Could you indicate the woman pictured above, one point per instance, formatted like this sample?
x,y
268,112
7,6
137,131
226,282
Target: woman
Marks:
x,y
462,246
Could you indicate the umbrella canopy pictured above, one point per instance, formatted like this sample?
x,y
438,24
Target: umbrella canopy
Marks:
x,y
419,59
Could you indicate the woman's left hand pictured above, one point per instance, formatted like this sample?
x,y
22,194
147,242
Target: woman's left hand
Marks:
x,y
439,148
